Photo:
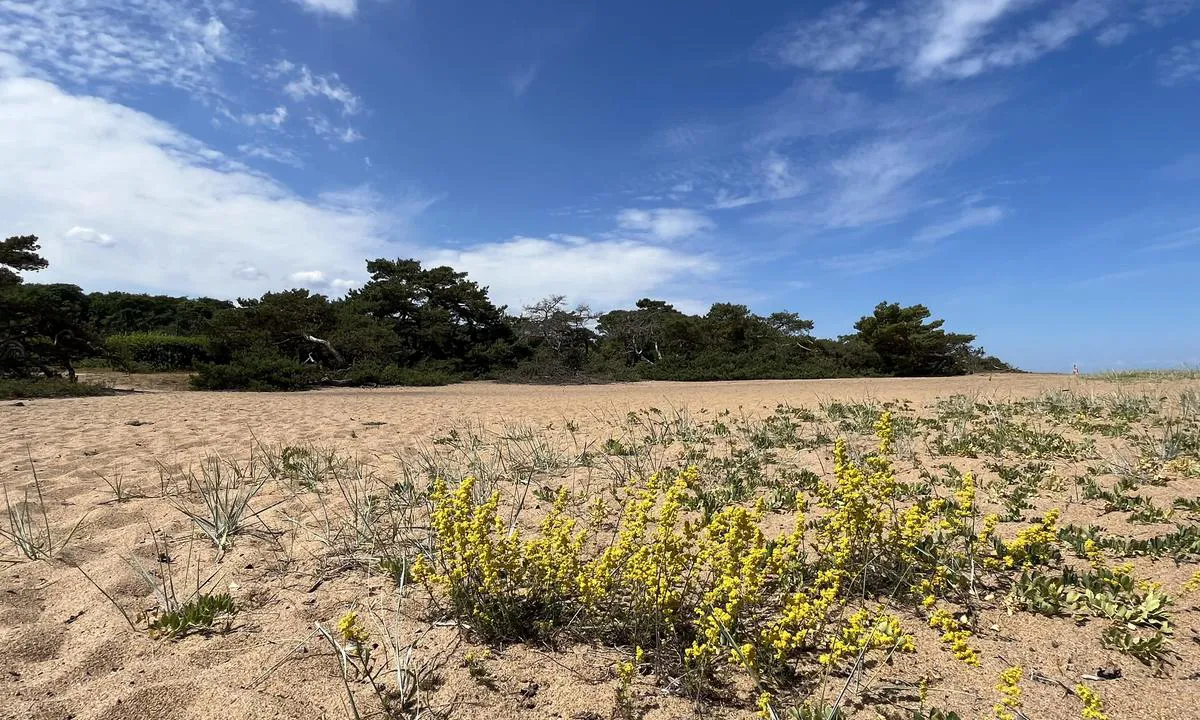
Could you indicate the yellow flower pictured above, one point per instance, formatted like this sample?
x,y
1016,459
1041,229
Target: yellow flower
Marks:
x,y
1093,706
1193,584
350,629
956,636
1010,693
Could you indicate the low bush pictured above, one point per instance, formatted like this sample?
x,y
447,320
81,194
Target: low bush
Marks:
x,y
258,373
155,351
52,387
419,376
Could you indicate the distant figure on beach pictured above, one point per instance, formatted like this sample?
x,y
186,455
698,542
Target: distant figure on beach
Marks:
x,y
1075,370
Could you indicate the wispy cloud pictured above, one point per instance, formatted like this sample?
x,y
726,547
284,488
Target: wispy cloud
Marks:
x,y
1112,277
812,108
340,8
776,179
951,30
926,40
280,155
328,131
685,137
971,217
871,260
135,42
520,80
1161,12
921,245
665,224
1177,240
274,119
1184,167
330,87
1180,64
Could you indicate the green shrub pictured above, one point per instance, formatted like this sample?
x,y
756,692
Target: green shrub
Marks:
x,y
53,387
422,375
155,351
257,372
204,613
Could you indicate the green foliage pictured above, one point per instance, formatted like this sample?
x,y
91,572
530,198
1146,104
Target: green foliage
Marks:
x,y
433,314
123,313
155,351
420,376
49,387
411,325
908,345
276,325
204,613
19,252
1182,543
259,373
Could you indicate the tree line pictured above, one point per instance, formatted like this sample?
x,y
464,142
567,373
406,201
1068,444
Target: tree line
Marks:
x,y
411,324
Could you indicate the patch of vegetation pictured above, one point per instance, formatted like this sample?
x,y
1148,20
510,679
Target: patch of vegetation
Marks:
x,y
28,528
154,352
262,373
412,325
50,387
203,613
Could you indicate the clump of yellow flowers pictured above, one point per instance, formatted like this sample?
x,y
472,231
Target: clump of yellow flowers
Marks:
x,y
351,631
1193,583
718,589
1093,706
1009,688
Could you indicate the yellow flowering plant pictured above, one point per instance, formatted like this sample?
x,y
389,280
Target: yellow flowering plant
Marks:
x,y
716,588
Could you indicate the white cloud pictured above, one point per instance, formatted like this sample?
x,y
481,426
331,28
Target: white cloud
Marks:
x,y
870,260
1038,39
665,224
606,273
341,8
845,37
308,277
814,107
1160,12
134,42
320,281
327,130
956,26
684,138
922,244
774,180
88,235
520,80
926,39
1114,34
284,156
248,272
273,119
873,183
328,86
1180,64
971,217
188,218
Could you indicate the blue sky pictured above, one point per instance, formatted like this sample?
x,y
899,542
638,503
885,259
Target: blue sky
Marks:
x,y
1028,169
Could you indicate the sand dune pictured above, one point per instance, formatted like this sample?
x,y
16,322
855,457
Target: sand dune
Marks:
x,y
66,653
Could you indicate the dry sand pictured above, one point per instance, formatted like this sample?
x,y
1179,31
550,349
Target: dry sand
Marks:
x,y
66,653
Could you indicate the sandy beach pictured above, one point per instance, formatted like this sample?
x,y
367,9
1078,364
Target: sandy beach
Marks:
x,y
65,651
